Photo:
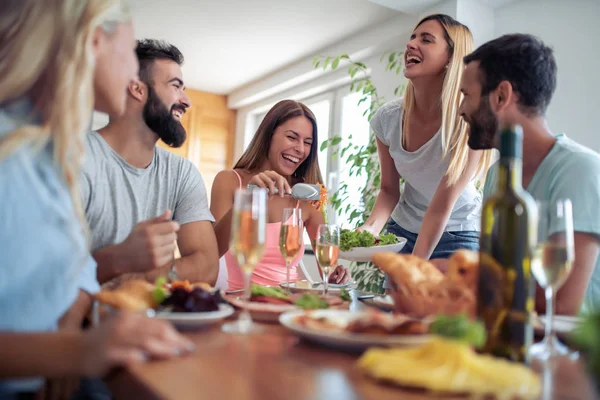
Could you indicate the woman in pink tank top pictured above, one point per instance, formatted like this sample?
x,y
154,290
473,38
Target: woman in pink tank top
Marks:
x,y
283,152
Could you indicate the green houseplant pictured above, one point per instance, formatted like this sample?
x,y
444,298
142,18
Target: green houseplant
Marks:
x,y
361,159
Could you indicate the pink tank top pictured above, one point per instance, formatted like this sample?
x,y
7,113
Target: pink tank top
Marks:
x,y
271,268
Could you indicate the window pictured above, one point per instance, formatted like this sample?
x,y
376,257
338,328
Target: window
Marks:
x,y
354,129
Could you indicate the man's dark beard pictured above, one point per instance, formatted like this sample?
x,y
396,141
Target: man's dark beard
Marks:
x,y
483,126
161,121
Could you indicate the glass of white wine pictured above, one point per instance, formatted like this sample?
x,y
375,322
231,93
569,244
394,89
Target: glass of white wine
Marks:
x,y
551,265
247,243
327,247
290,238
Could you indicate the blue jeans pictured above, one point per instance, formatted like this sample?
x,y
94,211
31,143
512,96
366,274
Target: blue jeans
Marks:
x,y
448,244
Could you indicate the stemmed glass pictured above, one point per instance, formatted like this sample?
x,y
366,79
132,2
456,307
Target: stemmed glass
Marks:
x,y
248,235
551,265
327,249
290,238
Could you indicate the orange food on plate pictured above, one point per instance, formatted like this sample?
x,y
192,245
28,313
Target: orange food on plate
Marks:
x,y
422,290
132,295
374,323
190,286
137,295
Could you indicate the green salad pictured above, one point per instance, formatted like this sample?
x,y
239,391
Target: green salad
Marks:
x,y
307,301
459,327
350,239
278,293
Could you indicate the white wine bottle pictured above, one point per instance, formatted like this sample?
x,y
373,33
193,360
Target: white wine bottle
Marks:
x,y
505,298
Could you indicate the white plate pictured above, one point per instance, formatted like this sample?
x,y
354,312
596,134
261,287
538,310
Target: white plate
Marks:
x,y
263,312
344,340
363,254
198,319
562,324
332,287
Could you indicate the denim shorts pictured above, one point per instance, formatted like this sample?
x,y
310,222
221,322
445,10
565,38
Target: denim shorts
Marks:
x,y
448,244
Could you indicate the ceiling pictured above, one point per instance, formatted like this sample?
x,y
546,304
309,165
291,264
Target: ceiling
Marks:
x,y
230,43
417,6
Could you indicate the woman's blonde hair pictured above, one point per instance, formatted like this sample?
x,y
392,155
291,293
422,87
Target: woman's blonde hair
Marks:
x,y
454,128
46,55
258,149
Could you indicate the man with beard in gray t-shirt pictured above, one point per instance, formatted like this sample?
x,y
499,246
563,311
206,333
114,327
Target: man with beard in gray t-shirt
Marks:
x,y
141,200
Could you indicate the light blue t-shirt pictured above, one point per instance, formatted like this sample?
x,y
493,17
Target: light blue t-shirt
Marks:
x,y
44,256
569,171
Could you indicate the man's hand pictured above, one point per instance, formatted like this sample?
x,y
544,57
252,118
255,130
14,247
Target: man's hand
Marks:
x,y
151,244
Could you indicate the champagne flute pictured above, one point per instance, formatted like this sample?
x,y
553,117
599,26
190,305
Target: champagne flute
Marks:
x,y
551,265
290,238
327,249
248,235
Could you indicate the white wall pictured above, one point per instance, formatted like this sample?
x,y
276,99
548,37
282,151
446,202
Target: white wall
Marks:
x,y
572,29
478,17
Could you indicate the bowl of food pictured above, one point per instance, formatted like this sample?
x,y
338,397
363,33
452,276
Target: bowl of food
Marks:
x,y
361,246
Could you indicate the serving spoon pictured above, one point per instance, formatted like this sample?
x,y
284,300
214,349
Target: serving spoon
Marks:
x,y
300,191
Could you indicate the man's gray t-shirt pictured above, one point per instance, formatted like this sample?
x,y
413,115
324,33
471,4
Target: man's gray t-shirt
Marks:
x,y
422,171
118,196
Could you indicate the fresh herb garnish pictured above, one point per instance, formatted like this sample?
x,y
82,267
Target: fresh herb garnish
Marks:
x,y
310,301
345,295
160,293
459,327
276,292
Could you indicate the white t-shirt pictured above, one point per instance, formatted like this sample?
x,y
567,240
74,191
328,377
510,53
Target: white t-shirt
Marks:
x,y
118,196
422,171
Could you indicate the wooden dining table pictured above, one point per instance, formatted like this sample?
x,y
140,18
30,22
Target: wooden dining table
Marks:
x,y
275,364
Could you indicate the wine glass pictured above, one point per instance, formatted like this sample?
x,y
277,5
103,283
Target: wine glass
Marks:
x,y
290,238
327,249
551,265
248,234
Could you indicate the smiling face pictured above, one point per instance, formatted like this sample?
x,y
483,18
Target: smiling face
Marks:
x,y
290,145
427,51
167,102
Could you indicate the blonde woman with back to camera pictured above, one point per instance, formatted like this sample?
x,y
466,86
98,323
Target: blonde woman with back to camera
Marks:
x,y
58,61
423,140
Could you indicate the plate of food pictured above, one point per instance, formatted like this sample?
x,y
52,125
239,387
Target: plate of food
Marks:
x,y
360,246
351,331
449,368
304,286
183,304
267,303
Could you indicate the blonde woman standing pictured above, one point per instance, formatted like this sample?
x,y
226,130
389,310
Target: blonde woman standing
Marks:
x,y
58,60
423,140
